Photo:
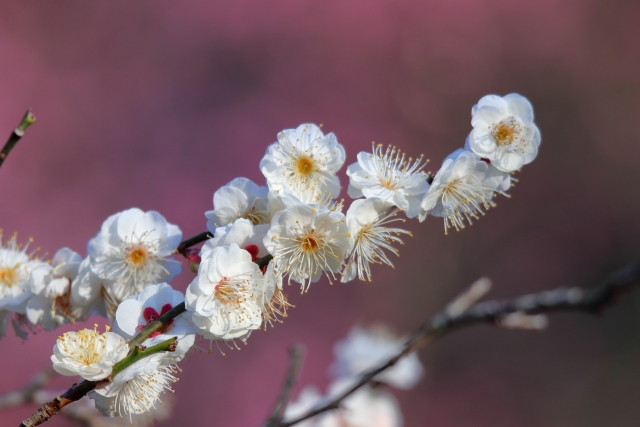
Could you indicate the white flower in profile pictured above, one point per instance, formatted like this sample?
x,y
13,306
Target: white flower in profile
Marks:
x,y
305,161
390,176
88,353
240,198
133,250
87,291
462,188
307,241
135,313
271,299
51,305
369,236
222,299
504,132
138,394
364,349
366,407
244,234
15,267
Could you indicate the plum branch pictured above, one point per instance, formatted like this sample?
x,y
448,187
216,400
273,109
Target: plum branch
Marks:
x,y
464,311
17,134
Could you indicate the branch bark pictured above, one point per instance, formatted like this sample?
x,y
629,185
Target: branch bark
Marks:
x,y
78,391
192,241
591,301
17,134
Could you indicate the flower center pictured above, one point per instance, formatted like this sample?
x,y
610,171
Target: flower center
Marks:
x,y
451,186
9,276
310,242
256,217
304,165
229,293
138,255
86,346
503,134
388,183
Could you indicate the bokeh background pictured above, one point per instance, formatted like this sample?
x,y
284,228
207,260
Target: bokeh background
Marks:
x,y
156,104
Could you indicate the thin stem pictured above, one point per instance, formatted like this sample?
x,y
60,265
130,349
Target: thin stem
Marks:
x,y
192,241
140,352
156,325
17,133
296,354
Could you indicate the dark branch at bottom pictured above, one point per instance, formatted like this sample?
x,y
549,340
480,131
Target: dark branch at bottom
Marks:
x,y
591,301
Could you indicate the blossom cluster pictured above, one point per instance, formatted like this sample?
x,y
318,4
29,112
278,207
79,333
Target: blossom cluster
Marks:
x,y
292,229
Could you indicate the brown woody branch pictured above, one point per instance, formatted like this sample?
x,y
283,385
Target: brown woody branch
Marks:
x,y
183,246
17,134
591,301
296,354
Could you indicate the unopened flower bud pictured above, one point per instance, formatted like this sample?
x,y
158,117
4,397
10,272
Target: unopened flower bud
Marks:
x,y
194,259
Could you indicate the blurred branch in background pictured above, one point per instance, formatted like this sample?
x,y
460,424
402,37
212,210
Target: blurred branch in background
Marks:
x,y
296,354
17,134
523,312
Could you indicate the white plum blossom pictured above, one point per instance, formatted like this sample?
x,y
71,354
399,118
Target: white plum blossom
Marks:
x,y
133,250
135,313
390,176
367,407
244,234
223,298
305,161
138,394
87,291
369,236
364,349
504,131
308,398
15,267
51,304
240,198
464,185
307,241
88,353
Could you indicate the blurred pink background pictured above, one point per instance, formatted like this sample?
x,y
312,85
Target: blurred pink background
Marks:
x,y
156,104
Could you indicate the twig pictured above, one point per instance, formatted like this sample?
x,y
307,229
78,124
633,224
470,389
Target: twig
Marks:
x,y
591,301
296,354
183,246
17,133
78,391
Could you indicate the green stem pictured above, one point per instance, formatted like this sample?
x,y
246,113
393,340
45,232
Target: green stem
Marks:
x,y
139,353
156,325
